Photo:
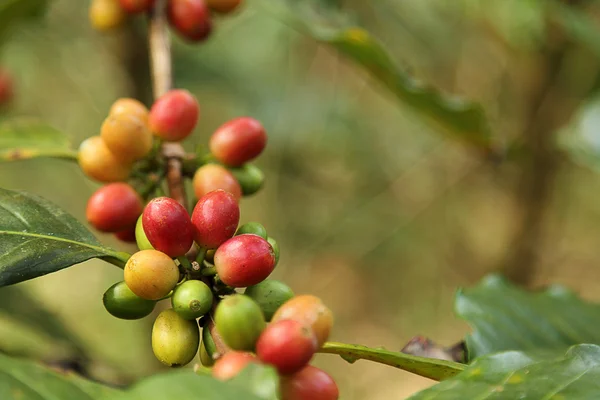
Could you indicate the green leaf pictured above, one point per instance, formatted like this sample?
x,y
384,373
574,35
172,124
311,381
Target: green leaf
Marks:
x,y
259,380
521,375
427,367
504,317
22,139
460,118
26,380
14,11
37,238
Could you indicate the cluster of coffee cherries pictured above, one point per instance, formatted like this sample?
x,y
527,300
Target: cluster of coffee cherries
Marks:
x,y
191,19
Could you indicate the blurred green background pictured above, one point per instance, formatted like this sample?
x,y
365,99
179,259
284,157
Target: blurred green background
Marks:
x,y
376,210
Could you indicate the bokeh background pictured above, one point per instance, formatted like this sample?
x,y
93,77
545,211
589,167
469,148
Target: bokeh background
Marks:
x,y
377,211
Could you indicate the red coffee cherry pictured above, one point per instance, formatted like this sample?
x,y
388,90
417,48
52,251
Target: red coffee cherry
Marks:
x,y
191,18
215,217
211,177
287,344
231,364
238,141
136,6
114,207
310,311
223,6
244,260
127,236
174,115
6,87
309,383
168,227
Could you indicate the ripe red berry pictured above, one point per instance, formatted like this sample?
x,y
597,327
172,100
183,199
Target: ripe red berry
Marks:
x,y
127,236
287,344
168,227
215,217
231,364
238,141
114,207
211,177
6,87
136,6
191,18
309,383
244,260
174,115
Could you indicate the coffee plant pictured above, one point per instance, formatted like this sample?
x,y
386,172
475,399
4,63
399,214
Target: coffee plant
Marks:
x,y
246,335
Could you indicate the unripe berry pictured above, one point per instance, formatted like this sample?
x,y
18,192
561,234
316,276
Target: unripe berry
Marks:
x,y
238,141
6,87
275,247
240,322
252,228
127,236
250,178
231,364
122,303
213,342
174,115
223,6
244,260
215,218
97,161
127,106
127,137
106,14
168,227
174,340
140,236
191,18
269,295
211,177
136,6
151,274
114,207
205,358
287,344
192,299
309,383
310,311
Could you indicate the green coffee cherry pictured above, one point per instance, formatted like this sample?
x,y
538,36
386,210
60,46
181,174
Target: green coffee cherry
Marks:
x,y
250,177
192,299
269,295
275,247
208,343
205,358
174,340
240,322
253,228
122,303
140,236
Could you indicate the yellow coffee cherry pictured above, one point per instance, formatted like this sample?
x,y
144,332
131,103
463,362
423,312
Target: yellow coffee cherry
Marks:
x,y
131,107
106,14
97,161
127,137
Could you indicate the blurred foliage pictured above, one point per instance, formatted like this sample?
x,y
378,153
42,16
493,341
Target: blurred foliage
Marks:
x,y
374,211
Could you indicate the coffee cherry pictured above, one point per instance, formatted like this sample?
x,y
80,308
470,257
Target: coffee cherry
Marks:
x,y
192,299
269,295
253,228
238,141
174,340
310,311
122,303
239,321
6,87
213,341
211,177
215,217
127,137
151,274
250,178
244,260
223,6
275,247
106,14
191,18
210,256
309,383
140,236
136,6
231,364
114,207
205,358
97,162
174,115
128,106
168,227
127,236
287,344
